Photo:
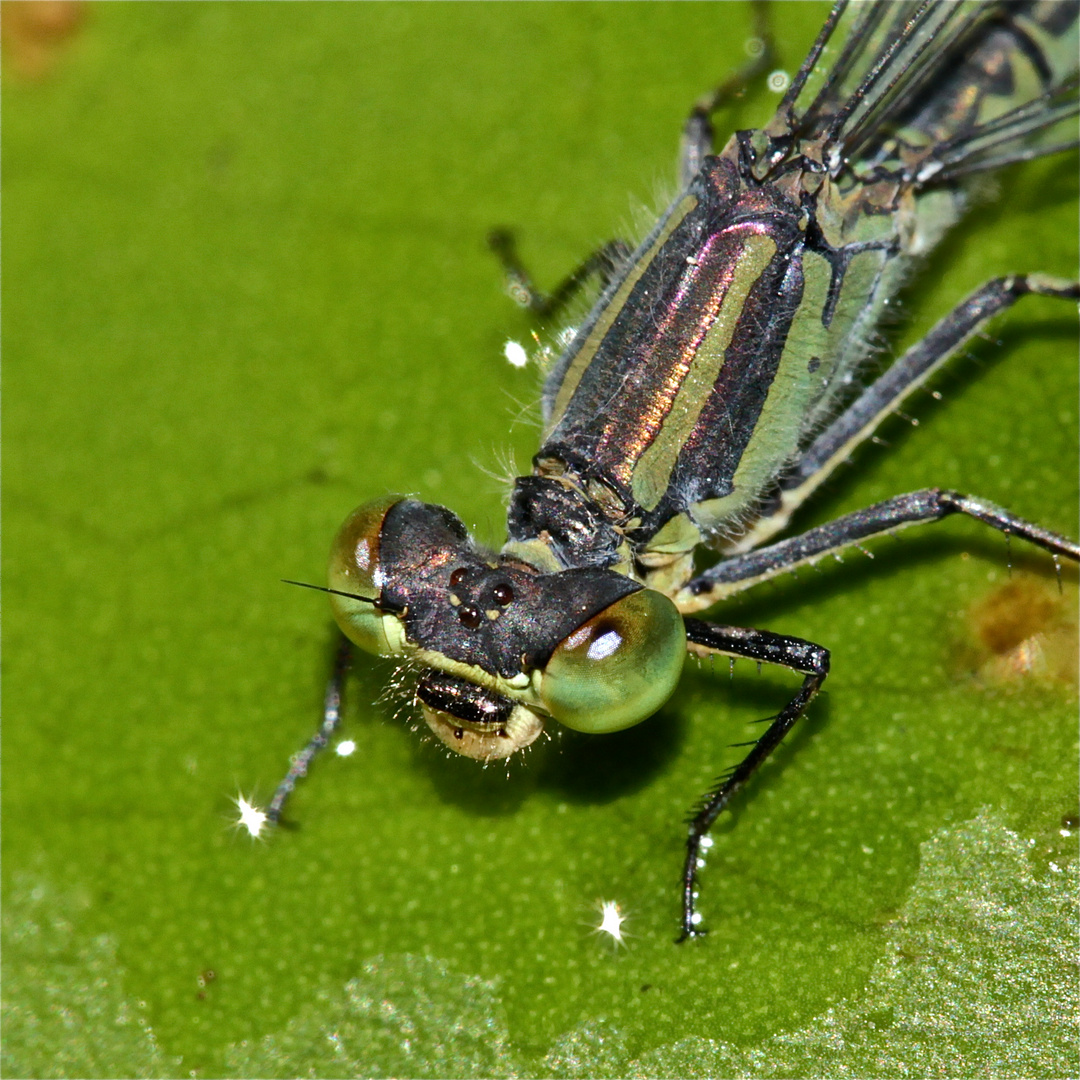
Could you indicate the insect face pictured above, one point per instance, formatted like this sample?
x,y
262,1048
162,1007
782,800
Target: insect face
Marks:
x,y
502,643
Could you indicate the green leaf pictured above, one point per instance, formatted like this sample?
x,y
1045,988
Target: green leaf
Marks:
x,y
246,288
64,1009
977,979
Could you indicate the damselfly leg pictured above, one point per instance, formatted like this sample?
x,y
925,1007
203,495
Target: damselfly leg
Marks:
x,y
601,264
741,572
318,742
698,133
708,639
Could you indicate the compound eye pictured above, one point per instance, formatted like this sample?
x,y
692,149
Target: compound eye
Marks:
x,y
618,668
354,568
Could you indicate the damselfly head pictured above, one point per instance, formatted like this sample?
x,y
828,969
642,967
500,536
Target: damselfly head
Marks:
x,y
501,644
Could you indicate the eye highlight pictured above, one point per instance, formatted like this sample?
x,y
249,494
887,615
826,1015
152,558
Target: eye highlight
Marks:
x,y
607,644
618,668
470,617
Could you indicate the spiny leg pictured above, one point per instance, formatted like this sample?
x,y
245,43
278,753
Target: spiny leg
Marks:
x,y
697,134
741,572
793,653
300,762
859,421
602,264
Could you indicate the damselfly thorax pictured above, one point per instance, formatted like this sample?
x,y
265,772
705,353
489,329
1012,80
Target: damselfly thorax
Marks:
x,y
716,383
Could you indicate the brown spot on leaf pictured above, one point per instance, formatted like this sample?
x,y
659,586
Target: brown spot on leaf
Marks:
x,y
34,32
1024,629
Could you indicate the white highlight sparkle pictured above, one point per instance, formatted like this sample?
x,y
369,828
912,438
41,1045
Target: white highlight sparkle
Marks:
x,y
515,354
345,748
251,817
611,921
778,81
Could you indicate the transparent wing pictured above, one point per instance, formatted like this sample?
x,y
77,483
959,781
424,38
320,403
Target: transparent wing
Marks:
x,y
933,89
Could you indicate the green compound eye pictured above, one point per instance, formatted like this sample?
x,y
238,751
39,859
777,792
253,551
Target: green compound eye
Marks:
x,y
619,668
354,568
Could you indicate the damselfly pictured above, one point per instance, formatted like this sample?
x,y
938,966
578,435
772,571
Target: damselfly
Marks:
x,y
714,385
